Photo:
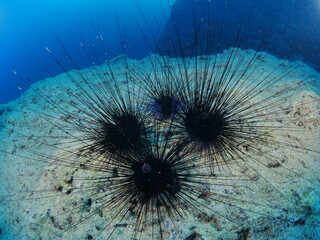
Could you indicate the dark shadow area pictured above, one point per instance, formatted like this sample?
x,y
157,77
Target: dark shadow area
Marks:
x,y
284,28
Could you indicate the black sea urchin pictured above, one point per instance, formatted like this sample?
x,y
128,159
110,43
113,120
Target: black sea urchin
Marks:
x,y
110,118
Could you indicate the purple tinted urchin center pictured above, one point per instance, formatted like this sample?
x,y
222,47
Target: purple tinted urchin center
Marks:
x,y
166,106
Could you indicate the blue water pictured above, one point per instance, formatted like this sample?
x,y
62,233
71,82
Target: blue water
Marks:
x,y
28,27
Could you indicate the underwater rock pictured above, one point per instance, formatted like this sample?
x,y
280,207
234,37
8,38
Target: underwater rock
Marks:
x,y
71,205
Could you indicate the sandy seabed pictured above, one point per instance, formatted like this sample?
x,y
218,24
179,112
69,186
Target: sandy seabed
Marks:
x,y
33,207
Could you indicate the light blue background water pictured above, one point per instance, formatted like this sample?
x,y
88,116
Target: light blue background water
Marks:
x,y
28,27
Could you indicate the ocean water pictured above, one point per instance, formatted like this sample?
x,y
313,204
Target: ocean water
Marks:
x,y
187,119
27,28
